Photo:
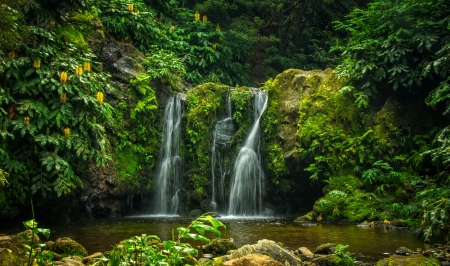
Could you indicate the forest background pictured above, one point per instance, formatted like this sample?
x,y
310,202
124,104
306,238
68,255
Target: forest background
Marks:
x,y
55,121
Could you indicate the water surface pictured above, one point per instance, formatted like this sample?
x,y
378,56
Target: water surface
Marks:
x,y
368,244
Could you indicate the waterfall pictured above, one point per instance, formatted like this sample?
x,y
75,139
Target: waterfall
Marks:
x,y
222,136
168,180
247,188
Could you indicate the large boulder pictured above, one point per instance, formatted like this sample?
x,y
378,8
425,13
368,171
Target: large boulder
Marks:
x,y
413,260
326,249
264,247
66,245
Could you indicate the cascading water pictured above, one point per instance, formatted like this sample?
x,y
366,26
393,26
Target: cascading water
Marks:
x,y
223,134
168,179
247,188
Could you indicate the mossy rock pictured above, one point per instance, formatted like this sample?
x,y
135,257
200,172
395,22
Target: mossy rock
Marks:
x,y
328,260
413,260
219,246
326,249
8,258
309,217
72,35
68,246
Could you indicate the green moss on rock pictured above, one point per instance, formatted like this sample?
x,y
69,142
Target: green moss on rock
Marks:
x,y
68,246
71,35
219,246
413,260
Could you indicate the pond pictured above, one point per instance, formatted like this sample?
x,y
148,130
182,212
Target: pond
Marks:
x,y
368,244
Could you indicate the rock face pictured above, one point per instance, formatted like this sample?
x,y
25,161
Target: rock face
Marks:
x,y
294,85
264,247
413,260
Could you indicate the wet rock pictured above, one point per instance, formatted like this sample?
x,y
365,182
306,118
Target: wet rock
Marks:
x,y
403,251
128,68
66,245
305,254
16,243
219,246
365,224
254,260
71,262
413,260
264,247
326,249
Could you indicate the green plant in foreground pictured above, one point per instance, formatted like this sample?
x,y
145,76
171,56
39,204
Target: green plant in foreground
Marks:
x,y
149,250
344,257
35,250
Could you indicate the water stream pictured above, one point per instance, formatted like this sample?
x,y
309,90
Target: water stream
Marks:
x,y
169,171
247,188
220,161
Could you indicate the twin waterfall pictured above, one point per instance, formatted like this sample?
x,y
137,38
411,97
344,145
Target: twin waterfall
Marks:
x,y
246,188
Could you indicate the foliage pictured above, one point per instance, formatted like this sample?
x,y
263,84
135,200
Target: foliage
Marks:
x,y
50,116
241,102
345,258
149,250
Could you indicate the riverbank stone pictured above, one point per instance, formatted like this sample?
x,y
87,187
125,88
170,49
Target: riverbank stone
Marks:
x,y
264,247
8,258
66,245
219,246
254,260
90,259
413,260
195,213
326,249
304,254
307,218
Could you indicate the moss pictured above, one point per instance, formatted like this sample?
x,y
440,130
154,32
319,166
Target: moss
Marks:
x,y
7,258
68,246
219,246
413,260
126,162
204,104
71,35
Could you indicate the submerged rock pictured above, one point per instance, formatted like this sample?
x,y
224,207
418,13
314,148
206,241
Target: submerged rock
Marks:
x,y
404,251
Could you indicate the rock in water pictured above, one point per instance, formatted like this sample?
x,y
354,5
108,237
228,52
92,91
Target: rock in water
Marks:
x,y
254,260
404,251
66,245
413,260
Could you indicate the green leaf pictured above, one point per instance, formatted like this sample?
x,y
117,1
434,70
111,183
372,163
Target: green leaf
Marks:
x,y
31,224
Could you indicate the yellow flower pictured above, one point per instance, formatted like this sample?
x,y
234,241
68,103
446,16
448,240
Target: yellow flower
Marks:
x,y
205,18
67,132
63,97
37,63
11,55
87,66
100,97
214,46
218,27
197,16
130,7
386,221
63,77
79,71
172,28
320,218
26,120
